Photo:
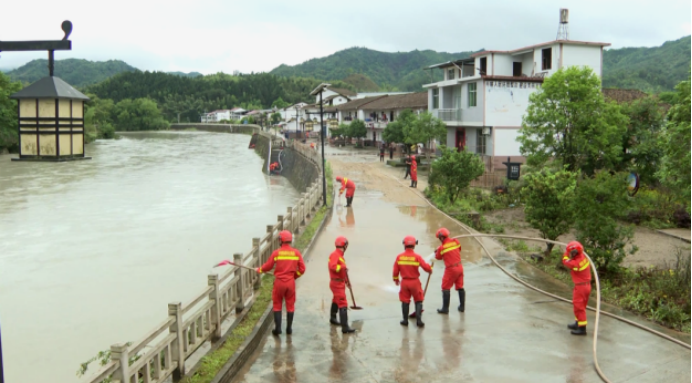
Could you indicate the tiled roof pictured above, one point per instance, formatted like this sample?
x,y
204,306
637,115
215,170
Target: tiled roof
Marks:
x,y
343,92
400,101
355,104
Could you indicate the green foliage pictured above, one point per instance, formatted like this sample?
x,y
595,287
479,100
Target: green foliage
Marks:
x,y
98,119
598,202
138,114
103,358
396,130
275,118
280,103
654,208
76,72
568,120
339,131
425,128
357,129
361,83
548,200
675,165
648,69
669,97
8,113
454,171
641,149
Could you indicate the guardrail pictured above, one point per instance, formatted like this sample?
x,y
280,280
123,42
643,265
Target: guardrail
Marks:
x,y
188,326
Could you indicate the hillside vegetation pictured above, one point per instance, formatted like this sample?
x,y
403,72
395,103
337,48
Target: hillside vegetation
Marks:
x,y
76,72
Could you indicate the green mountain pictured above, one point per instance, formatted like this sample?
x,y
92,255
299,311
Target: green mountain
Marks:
x,y
400,70
183,74
76,72
361,83
648,69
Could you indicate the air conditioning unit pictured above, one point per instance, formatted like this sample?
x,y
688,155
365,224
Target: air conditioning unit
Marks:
x,y
486,130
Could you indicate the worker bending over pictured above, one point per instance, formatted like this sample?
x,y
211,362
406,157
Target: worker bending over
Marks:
x,y
337,283
289,267
406,265
349,186
450,252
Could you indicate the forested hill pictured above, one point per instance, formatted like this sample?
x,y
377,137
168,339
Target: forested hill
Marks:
x,y
649,69
400,70
76,72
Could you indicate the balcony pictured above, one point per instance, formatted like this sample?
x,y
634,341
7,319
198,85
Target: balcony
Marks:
x,y
447,115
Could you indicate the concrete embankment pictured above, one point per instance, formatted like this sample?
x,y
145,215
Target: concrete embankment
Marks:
x,y
219,128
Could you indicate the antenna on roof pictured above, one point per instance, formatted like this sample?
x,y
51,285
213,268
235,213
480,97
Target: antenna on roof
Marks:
x,y
563,29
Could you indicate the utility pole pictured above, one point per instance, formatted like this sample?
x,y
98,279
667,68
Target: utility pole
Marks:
x,y
319,90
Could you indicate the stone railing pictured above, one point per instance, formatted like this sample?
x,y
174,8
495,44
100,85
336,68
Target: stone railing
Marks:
x,y
188,326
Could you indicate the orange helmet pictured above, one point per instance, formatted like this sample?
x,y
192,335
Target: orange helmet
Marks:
x,y
341,242
285,236
409,241
442,233
339,178
574,245
413,158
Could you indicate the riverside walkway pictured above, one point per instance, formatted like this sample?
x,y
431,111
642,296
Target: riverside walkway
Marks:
x,y
507,334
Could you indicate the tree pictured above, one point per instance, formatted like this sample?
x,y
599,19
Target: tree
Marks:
x,y
424,129
455,170
98,118
675,165
275,118
641,149
569,120
396,131
547,197
598,203
280,103
139,114
8,112
356,129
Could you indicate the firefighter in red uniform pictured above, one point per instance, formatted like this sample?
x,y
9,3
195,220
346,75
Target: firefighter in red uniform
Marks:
x,y
414,172
407,264
450,252
289,266
349,186
578,265
337,283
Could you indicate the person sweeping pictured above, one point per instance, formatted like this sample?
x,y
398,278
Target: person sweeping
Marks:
x,y
578,265
337,283
450,252
349,186
406,265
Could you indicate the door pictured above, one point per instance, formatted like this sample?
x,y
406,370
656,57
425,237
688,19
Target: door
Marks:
x,y
461,139
374,137
516,69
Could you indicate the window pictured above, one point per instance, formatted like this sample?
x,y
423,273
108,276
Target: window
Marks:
x,y
436,98
450,74
480,142
547,58
472,94
516,69
484,66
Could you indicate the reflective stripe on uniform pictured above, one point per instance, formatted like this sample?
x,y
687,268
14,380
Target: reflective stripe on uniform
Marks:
x,y
286,258
408,263
583,267
338,267
395,278
579,323
450,249
298,272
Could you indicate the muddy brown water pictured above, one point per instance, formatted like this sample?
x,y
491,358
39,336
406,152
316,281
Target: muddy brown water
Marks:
x,y
91,252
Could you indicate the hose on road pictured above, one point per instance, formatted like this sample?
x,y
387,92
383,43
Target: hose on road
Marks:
x,y
597,309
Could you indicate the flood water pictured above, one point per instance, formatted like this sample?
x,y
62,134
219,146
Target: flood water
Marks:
x,y
91,252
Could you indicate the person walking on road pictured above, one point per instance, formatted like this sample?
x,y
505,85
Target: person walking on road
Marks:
x,y
414,172
338,282
579,267
349,186
382,149
450,252
406,265
289,267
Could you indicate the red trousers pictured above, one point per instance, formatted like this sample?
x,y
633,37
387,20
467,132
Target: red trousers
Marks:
x,y
339,293
580,298
410,287
414,174
350,192
284,290
454,276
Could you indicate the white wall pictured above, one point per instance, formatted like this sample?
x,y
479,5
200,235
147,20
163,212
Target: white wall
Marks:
x,y
526,63
326,93
538,58
506,105
472,116
506,142
503,65
582,55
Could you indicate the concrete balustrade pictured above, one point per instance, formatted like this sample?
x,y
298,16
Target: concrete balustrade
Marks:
x,y
192,324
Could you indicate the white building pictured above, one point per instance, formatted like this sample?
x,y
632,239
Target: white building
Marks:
x,y
335,96
482,99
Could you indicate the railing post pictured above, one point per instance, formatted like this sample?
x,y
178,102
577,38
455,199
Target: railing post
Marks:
x,y
280,224
306,201
258,257
291,216
213,281
270,231
238,259
178,354
119,353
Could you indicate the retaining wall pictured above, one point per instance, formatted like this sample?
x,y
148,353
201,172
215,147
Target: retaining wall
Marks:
x,y
219,128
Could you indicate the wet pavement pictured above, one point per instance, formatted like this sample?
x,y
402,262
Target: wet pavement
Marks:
x,y
507,334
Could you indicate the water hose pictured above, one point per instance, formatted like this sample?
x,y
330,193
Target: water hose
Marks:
x,y
279,158
597,309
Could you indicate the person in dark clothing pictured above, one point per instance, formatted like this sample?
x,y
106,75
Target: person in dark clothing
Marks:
x,y
391,151
382,153
408,167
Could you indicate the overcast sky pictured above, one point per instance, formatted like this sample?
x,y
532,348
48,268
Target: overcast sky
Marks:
x,y
211,36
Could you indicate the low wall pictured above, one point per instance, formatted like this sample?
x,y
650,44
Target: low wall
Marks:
x,y
299,162
219,128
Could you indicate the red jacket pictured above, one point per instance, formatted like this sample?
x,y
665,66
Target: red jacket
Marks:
x,y
346,184
407,264
579,267
337,265
450,251
289,263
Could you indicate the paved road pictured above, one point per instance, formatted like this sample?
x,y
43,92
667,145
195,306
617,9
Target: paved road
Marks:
x,y
507,334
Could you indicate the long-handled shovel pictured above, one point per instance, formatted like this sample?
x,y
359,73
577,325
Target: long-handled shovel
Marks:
x,y
353,299
413,314
229,263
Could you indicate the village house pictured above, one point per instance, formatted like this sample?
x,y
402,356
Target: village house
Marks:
x,y
384,110
482,99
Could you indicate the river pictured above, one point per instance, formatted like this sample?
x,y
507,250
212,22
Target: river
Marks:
x,y
91,252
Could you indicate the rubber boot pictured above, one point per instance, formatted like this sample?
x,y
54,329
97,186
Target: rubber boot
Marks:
x,y
581,330
289,323
415,184
332,315
404,311
411,184
277,323
462,300
343,315
573,326
445,303
419,314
